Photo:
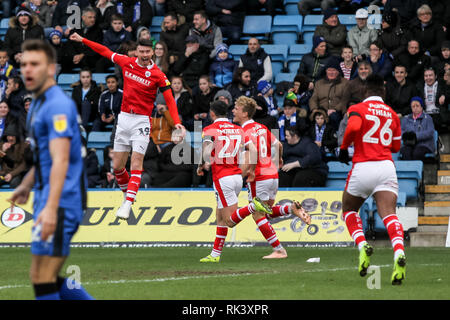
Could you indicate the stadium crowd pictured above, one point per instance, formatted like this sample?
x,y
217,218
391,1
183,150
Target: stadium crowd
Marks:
x,y
410,50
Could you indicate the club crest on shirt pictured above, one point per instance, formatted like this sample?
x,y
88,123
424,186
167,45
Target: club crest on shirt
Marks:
x,y
148,74
60,122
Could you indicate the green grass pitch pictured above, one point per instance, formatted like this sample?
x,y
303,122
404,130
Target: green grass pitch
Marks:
x,y
175,274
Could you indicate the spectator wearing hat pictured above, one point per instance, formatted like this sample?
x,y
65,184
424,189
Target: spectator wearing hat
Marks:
x,y
229,16
193,62
55,41
162,123
415,61
313,63
23,26
334,33
305,7
323,135
392,36
289,118
265,90
13,151
360,36
174,33
444,59
425,30
262,116
329,94
208,33
241,85
417,132
223,66
144,33
379,61
257,61
400,90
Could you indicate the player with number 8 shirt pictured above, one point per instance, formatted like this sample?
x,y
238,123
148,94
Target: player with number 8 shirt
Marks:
x,y
374,129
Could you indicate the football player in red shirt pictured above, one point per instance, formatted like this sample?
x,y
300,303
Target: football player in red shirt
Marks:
x,y
223,143
265,185
374,129
142,79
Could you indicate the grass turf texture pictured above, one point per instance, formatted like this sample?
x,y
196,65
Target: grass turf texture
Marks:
x,y
176,274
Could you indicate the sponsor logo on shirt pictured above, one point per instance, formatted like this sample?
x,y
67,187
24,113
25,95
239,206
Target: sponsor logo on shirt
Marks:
x,y
136,78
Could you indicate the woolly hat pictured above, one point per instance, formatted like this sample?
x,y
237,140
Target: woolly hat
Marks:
x,y
445,44
333,63
327,13
418,99
140,29
55,33
224,93
160,99
317,40
264,86
221,47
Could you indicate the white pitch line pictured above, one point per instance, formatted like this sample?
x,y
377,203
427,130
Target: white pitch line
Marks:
x,y
123,281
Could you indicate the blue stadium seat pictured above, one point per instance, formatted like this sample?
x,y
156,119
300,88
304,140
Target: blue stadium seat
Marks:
x,y
257,26
99,153
347,20
237,50
277,67
277,52
433,155
155,27
311,21
378,224
297,51
337,174
98,139
409,174
66,79
99,77
284,77
291,8
286,28
396,156
308,38
293,66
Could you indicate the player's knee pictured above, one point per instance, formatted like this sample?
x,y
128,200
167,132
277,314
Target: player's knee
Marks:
x,y
258,215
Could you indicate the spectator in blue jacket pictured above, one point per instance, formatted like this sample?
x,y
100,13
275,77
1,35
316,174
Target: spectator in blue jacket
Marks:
x,y
417,132
222,69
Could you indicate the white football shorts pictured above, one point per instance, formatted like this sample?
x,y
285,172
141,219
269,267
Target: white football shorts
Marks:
x,y
263,189
132,132
369,177
227,190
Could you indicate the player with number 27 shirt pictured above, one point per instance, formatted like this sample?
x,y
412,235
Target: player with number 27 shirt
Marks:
x,y
374,129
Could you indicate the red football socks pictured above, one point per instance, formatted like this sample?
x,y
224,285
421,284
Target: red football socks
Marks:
x,y
395,232
355,228
268,232
221,235
122,178
133,184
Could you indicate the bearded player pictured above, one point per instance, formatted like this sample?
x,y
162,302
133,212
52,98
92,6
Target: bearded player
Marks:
x,y
265,184
374,128
142,78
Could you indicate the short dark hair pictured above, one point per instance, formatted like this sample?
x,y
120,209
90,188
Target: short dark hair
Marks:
x,y
117,16
86,69
111,76
145,43
347,47
219,108
375,86
40,45
173,15
202,13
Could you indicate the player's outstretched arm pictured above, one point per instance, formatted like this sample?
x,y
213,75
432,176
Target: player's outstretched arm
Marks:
x,y
173,110
97,47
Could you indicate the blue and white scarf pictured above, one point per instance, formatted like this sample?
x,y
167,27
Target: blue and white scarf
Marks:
x,y
136,13
2,126
319,132
282,122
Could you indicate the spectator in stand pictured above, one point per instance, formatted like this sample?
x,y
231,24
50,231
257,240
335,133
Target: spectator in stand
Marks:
x,y
323,135
185,8
427,32
303,165
14,94
21,27
415,61
334,33
208,34
265,90
128,48
241,84
222,69
193,62
257,61
262,116
41,10
229,16
417,132
158,6
379,61
144,33
259,7
105,9
302,91
432,92
329,94
173,34
27,99
399,91
360,36
5,118
55,40
224,96
356,87
12,157
444,59
136,13
162,123
91,167
106,171
161,57
202,100
405,9
183,97
85,93
290,117
313,64
82,55
6,70
61,16
392,36
305,7
109,104
349,68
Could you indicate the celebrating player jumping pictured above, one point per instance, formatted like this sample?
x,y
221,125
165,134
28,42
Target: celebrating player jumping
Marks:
x,y
142,78
374,128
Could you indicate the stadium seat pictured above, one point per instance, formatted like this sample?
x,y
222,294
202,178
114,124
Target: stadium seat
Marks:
x,y
155,27
396,156
277,67
409,175
99,153
293,66
4,24
277,52
291,8
297,51
284,77
433,155
347,20
257,27
65,80
286,28
308,38
98,139
99,77
337,174
237,50
311,21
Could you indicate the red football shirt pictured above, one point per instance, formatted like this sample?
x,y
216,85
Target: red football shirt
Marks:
x,y
228,140
379,132
263,139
